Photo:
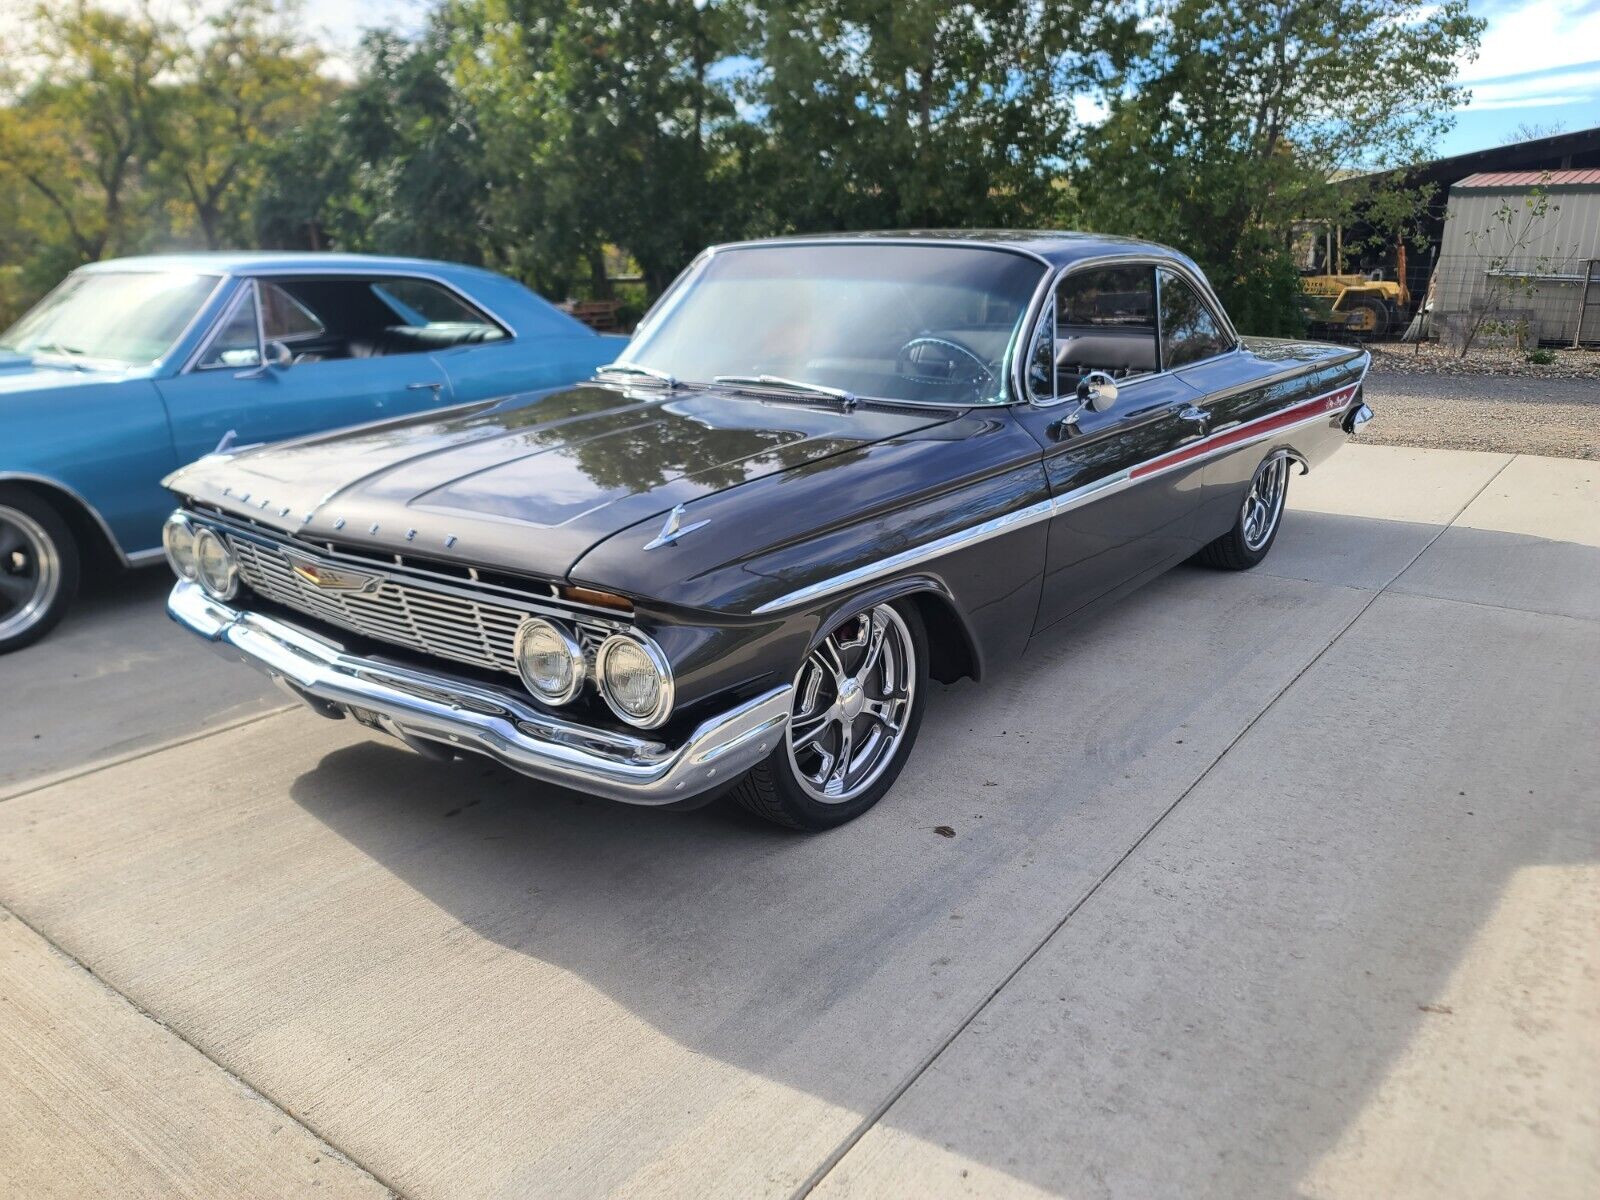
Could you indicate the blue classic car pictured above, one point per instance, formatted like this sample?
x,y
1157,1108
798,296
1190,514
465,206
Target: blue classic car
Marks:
x,y
133,367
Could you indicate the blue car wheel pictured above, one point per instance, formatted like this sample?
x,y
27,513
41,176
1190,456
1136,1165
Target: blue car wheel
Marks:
x,y
38,568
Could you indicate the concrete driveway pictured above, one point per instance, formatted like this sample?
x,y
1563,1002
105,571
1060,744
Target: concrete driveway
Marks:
x,y
1270,884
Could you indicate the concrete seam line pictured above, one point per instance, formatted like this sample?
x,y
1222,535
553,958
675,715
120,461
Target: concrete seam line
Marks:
x,y
882,1109
105,764
252,1089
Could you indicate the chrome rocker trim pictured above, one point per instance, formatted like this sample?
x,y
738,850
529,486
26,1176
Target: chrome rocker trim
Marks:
x,y
434,713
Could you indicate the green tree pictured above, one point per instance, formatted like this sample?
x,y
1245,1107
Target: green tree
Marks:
x,y
1229,120
244,79
78,131
898,113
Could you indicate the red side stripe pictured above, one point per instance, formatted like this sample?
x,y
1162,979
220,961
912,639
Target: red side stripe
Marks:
x,y
1289,416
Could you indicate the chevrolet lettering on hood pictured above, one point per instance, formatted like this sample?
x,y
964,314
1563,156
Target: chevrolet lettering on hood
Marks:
x,y
824,472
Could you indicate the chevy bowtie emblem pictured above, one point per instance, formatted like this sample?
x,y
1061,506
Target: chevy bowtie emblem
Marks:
x,y
335,579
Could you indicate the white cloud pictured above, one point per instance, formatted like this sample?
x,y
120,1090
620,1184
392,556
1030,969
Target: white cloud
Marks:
x,y
1536,35
1572,85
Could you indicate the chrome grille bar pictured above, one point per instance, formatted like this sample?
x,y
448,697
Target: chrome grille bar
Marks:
x,y
449,624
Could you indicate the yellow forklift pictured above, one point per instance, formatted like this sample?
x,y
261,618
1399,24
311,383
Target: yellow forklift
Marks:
x,y
1364,306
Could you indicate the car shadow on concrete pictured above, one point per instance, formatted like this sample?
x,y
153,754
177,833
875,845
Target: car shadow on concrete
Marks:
x,y
835,963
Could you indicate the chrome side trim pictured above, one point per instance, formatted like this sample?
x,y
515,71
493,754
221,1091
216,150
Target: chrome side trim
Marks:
x,y
1107,485
424,709
123,556
982,532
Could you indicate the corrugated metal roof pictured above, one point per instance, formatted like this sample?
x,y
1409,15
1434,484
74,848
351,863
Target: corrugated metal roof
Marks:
x,y
1508,179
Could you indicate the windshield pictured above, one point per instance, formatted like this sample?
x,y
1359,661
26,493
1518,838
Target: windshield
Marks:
x,y
125,317
926,323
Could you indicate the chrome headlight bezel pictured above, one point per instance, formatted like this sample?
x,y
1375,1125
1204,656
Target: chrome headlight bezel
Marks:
x,y
228,588
178,532
569,644
658,661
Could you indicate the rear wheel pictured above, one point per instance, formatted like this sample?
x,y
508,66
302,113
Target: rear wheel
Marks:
x,y
1256,527
858,701
38,568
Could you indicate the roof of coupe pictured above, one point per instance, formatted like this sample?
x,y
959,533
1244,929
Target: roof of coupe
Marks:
x,y
234,262
1056,246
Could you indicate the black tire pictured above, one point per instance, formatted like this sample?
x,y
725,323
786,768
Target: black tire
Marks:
x,y
773,789
36,544
1378,313
1237,550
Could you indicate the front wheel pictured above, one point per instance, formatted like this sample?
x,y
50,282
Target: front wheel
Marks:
x,y
1256,527
38,568
858,701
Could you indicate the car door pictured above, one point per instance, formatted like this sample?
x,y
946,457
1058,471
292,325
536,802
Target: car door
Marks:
x,y
255,377
1125,499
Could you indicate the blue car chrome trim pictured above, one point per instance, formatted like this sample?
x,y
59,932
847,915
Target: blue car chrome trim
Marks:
x,y
437,714
1223,441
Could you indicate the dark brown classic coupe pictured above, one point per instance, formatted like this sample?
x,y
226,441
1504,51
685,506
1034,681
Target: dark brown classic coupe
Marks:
x,y
824,471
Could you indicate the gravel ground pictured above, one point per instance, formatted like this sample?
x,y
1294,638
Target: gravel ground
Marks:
x,y
1521,413
1430,358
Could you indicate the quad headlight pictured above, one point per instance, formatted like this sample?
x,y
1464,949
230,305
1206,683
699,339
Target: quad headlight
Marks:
x,y
550,660
635,680
215,565
177,539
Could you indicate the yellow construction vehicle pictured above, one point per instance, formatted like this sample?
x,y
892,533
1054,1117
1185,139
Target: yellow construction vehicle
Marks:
x,y
1365,306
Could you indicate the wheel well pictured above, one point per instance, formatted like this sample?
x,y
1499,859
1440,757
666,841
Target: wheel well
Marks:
x,y
94,545
951,655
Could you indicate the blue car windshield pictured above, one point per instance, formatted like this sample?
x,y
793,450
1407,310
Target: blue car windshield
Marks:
x,y
925,322
129,317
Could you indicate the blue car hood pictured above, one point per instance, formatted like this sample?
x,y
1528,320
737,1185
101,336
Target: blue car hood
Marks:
x,y
21,374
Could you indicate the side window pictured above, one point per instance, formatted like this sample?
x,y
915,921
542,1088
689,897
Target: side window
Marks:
x,y
1105,320
285,319
421,302
238,344
1189,331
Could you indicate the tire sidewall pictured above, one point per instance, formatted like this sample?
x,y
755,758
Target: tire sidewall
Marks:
x,y
59,533
1252,557
809,813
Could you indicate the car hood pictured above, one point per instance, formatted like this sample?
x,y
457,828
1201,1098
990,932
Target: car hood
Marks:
x,y
21,374
531,483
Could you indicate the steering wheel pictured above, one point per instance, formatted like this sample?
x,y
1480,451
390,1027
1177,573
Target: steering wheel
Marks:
x,y
914,362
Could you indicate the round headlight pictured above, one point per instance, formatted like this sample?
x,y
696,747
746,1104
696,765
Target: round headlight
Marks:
x,y
635,680
550,660
215,566
177,539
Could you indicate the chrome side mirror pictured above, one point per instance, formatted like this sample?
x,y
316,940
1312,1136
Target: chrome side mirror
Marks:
x,y
1097,391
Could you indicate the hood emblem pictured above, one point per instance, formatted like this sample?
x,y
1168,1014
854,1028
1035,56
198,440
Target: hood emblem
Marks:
x,y
673,529
334,579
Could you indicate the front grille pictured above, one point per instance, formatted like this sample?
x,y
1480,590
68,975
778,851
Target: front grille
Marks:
x,y
449,624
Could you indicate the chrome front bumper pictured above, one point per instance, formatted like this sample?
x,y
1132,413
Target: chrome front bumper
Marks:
x,y
435,713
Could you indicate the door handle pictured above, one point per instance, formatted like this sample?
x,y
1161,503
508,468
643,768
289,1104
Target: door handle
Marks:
x,y
417,387
1198,415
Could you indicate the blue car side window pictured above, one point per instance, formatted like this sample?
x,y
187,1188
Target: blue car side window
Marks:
x,y
238,342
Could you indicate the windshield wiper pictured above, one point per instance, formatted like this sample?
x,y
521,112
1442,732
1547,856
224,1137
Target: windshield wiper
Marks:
x,y
628,368
68,352
777,383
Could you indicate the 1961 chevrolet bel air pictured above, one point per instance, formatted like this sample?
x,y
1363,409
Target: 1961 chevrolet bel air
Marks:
x,y
133,366
824,471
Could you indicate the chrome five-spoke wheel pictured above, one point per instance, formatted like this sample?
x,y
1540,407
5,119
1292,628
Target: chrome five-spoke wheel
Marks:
x,y
38,568
1256,525
857,704
852,697
1263,503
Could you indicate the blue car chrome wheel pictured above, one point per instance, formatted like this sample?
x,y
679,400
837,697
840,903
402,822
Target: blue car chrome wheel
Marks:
x,y
38,569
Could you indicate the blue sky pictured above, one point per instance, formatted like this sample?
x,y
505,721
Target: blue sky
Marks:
x,y
1539,63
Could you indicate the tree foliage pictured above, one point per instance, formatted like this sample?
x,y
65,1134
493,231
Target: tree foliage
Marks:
x,y
554,138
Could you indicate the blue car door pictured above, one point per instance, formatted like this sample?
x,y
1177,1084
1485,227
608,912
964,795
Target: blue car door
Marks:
x,y
256,376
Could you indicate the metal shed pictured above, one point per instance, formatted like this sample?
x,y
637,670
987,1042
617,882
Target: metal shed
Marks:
x,y
1520,256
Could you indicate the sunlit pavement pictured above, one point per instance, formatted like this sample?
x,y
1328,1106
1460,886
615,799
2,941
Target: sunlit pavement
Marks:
x,y
1272,884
